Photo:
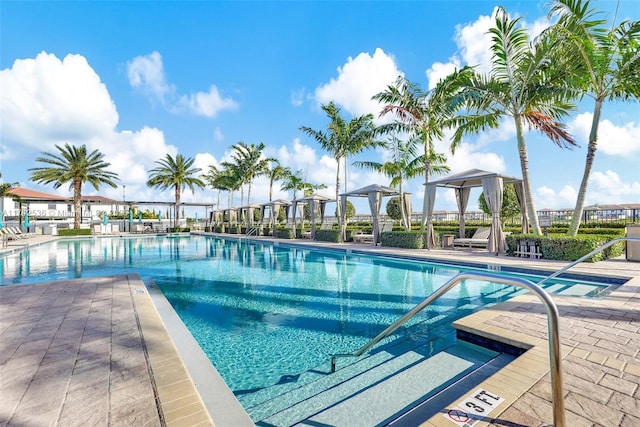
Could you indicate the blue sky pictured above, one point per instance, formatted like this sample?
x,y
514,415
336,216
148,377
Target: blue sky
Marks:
x,y
137,80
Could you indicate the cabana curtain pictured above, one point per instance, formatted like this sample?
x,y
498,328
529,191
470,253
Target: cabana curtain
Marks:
x,y
429,202
493,192
519,187
462,199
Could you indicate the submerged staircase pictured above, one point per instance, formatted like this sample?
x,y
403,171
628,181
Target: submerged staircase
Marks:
x,y
401,381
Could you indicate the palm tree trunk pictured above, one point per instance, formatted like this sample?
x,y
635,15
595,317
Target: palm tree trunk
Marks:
x,y
524,166
338,207
591,154
177,207
77,196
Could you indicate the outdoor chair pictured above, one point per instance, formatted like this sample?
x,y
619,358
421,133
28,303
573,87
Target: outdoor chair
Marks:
x,y
9,234
480,239
17,232
368,238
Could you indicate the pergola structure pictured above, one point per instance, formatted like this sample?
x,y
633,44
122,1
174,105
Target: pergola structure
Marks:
x,y
492,184
374,193
317,205
274,206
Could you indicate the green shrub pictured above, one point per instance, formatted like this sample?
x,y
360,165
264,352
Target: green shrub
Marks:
x,y
564,248
402,239
234,229
284,233
66,232
328,236
179,230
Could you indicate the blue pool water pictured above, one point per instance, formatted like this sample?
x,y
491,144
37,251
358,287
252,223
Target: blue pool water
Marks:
x,y
265,314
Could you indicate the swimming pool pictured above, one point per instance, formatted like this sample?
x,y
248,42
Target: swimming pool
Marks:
x,y
269,316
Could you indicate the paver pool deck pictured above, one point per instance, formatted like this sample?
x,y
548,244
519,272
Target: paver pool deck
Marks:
x,y
105,351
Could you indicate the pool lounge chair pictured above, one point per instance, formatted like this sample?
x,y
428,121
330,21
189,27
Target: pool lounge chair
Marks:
x,y
10,236
368,238
480,239
17,232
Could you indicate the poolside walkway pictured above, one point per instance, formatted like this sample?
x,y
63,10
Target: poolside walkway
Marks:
x,y
97,352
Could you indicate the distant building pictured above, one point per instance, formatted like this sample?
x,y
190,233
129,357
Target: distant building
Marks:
x,y
51,207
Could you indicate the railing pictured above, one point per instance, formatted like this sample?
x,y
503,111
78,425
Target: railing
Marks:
x,y
252,231
555,360
589,255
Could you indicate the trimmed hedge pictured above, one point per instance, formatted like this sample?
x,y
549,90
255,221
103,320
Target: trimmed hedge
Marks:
x,y
402,239
284,233
179,230
328,236
66,232
563,248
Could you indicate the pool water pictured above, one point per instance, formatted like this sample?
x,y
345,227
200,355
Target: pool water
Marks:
x,y
267,315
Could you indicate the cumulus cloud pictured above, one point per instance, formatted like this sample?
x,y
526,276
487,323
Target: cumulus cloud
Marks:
x,y
604,188
146,72
207,104
358,80
46,100
612,140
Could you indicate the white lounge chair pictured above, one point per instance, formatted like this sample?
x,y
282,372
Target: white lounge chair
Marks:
x,y
480,239
368,238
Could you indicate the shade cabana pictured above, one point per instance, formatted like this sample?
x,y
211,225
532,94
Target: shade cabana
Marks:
x,y
317,206
246,214
492,184
274,206
374,193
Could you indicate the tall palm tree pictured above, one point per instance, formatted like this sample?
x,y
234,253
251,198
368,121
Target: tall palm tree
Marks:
x,y
610,69
276,172
293,182
250,162
527,82
405,163
74,166
214,178
425,116
342,139
175,173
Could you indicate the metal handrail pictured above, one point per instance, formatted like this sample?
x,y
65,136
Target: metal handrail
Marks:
x,y
589,255
555,360
252,230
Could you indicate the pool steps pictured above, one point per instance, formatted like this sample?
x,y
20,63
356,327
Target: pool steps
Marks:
x,y
313,391
394,387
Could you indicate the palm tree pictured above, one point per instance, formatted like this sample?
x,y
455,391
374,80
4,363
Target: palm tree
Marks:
x,y
175,173
610,61
215,179
74,166
249,162
527,82
405,164
424,115
276,172
342,139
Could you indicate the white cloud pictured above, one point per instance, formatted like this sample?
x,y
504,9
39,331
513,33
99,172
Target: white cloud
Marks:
x,y
358,80
604,188
147,73
474,43
612,140
218,136
45,100
297,97
207,104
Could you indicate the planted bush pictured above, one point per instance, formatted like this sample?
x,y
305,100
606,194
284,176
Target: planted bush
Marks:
x,y
564,248
70,232
328,236
402,239
284,233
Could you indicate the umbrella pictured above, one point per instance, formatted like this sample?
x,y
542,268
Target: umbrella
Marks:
x,y
26,220
105,218
159,215
130,216
140,217
1,224
196,216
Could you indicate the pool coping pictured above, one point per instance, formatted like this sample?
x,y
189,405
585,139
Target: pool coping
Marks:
x,y
519,372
